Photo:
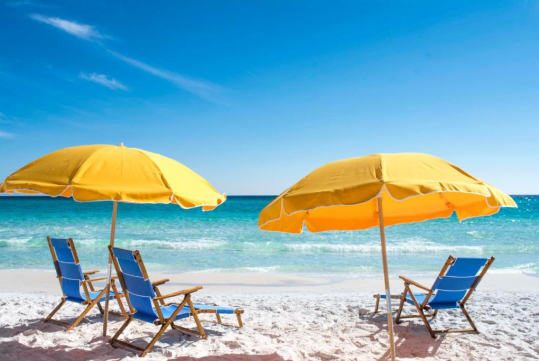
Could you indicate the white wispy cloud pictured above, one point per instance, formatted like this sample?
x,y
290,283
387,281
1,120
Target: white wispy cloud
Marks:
x,y
4,119
83,31
6,135
198,87
104,80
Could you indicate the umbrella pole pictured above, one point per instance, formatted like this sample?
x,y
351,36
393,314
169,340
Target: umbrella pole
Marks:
x,y
386,279
112,234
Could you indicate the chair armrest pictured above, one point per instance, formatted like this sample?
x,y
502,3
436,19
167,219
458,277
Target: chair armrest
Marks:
x,y
98,279
87,273
414,283
160,282
179,293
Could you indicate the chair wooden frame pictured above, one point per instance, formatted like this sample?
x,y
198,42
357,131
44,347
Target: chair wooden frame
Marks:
x,y
378,296
157,302
237,312
424,307
87,285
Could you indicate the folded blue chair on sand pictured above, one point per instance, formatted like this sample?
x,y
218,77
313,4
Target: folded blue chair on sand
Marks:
x,y
455,284
148,305
71,278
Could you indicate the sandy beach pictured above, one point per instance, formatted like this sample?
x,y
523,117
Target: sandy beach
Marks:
x,y
287,317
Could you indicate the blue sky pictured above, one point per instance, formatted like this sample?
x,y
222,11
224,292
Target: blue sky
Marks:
x,y
254,95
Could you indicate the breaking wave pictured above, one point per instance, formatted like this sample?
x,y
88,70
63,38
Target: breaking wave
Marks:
x,y
413,246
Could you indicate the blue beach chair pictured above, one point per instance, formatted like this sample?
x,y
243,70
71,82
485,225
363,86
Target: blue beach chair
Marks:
x,y
147,304
455,284
71,278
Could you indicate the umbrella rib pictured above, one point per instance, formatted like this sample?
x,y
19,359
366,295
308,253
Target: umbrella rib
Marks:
x,y
76,173
162,176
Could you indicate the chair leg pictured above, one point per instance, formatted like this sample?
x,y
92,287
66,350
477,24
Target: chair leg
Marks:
x,y
465,330
420,311
169,323
79,319
468,318
121,329
156,337
119,300
90,306
194,313
101,310
401,306
377,303
240,323
114,338
55,310
237,312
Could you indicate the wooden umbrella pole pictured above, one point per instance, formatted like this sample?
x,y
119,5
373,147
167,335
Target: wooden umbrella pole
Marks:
x,y
112,234
386,279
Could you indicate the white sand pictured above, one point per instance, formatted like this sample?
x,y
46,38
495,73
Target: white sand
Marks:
x,y
286,318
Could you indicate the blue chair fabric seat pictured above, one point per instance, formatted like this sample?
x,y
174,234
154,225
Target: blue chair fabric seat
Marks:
x,y
166,311
420,297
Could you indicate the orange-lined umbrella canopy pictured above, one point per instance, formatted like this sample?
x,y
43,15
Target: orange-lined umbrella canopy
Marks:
x,y
414,187
113,173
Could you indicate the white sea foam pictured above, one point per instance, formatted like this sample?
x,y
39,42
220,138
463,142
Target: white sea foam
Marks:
x,y
413,246
89,242
241,269
518,269
476,234
15,241
182,245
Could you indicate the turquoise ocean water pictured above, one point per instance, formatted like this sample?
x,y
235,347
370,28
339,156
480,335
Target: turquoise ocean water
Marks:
x,y
227,240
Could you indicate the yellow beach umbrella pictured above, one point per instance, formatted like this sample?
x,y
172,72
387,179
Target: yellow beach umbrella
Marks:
x,y
381,190
113,173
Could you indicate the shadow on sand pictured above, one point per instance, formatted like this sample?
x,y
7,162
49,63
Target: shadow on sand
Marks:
x,y
412,341
411,338
100,347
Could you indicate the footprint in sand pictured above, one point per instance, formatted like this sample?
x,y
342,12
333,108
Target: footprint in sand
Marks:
x,y
232,344
323,356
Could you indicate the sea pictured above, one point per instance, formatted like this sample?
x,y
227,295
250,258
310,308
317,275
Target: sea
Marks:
x,y
172,239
